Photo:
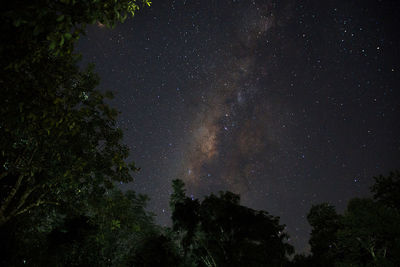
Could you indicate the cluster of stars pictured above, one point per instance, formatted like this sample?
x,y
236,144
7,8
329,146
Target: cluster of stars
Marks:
x,y
289,104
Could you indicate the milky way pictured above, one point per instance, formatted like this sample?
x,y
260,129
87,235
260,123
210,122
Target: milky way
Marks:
x,y
222,142
288,103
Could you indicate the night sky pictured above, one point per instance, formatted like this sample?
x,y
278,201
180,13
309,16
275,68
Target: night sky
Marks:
x,y
287,103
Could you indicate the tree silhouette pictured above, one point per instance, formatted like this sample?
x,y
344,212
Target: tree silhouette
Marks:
x,y
61,151
367,234
325,223
386,190
220,232
58,138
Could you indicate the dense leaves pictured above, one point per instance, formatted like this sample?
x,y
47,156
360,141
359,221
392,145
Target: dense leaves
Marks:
x,y
367,234
325,223
60,148
35,28
386,189
106,234
220,232
61,155
58,138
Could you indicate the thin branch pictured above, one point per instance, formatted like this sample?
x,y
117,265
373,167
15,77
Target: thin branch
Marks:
x,y
26,195
38,203
16,187
12,193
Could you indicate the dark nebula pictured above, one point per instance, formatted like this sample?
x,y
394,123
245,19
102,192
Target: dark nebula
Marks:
x,y
288,103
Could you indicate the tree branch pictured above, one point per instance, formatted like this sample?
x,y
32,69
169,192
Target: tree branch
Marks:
x,y
16,188
26,195
13,192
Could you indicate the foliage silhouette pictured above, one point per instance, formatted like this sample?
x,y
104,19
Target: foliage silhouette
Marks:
x,y
386,190
62,153
58,138
367,234
220,232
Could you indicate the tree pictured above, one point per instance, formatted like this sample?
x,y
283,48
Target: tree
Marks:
x,y
58,139
325,223
367,234
38,28
108,233
221,232
185,215
60,148
237,235
156,250
386,190
370,235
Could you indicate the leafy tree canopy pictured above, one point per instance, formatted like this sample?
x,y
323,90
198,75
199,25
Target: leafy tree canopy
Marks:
x,y
367,234
58,139
386,189
220,232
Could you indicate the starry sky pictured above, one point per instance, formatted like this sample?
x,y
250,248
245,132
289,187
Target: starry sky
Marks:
x,y
287,103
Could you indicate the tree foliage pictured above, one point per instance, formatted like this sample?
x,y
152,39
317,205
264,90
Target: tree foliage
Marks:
x,y
61,151
61,154
367,234
325,223
35,29
106,234
58,138
220,232
386,190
